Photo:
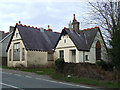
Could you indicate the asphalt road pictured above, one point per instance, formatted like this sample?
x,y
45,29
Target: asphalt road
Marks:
x,y
21,80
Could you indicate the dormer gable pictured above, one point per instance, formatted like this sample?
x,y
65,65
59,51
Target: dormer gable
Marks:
x,y
16,35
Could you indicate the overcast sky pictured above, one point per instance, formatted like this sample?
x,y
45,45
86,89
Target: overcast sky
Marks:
x,y
41,13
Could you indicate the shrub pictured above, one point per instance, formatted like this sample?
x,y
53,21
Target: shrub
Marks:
x,y
105,65
59,63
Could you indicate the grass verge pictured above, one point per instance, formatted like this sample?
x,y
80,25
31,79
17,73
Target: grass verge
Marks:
x,y
58,76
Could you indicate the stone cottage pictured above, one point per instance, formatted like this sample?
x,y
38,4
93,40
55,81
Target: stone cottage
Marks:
x,y
31,46
79,46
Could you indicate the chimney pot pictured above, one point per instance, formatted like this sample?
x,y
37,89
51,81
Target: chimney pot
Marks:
x,y
48,27
19,22
74,17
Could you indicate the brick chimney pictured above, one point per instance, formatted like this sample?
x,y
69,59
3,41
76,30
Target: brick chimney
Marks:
x,y
75,24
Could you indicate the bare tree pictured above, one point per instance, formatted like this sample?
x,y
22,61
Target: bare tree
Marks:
x,y
107,15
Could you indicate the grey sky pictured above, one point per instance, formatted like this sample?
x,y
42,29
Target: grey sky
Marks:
x,y
42,13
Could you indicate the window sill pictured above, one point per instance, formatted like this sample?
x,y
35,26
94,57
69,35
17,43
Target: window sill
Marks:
x,y
50,60
16,60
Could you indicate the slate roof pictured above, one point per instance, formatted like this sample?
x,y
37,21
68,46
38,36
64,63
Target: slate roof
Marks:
x,y
82,40
36,38
45,40
5,34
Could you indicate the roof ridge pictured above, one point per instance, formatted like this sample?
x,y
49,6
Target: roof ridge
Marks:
x,y
57,32
31,27
89,28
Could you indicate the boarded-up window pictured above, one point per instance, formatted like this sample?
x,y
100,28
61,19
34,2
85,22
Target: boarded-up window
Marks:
x,y
61,54
50,56
23,54
16,52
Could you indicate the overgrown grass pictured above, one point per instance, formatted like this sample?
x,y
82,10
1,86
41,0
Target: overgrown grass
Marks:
x,y
51,72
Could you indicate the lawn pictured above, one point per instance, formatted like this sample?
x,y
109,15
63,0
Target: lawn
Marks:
x,y
58,76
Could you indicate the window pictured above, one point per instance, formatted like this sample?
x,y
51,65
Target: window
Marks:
x,y
61,53
64,40
16,51
23,54
16,35
10,55
98,53
50,56
86,57
16,47
73,52
98,50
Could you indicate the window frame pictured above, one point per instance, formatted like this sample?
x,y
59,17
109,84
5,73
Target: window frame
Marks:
x,y
64,40
23,54
16,48
50,54
16,35
10,53
98,50
61,53
86,57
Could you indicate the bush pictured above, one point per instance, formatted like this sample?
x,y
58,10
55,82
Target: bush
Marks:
x,y
105,65
59,63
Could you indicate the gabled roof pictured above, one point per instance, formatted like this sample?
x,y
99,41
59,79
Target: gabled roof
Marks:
x,y
82,40
35,38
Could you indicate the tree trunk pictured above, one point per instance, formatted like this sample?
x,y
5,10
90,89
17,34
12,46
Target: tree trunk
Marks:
x,y
119,79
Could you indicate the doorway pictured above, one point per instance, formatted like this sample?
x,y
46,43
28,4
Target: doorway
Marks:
x,y
73,56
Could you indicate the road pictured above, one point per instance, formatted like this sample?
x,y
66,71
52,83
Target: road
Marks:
x,y
23,80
